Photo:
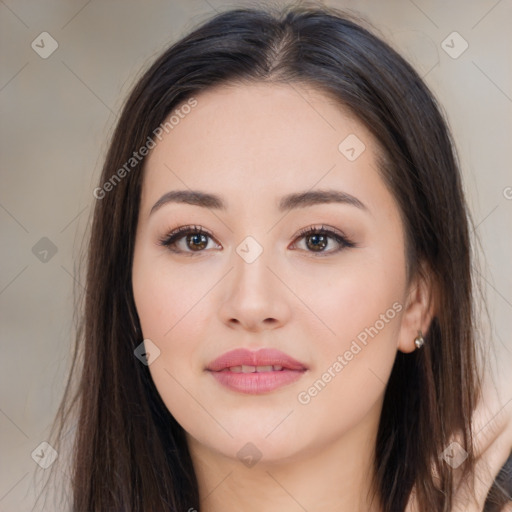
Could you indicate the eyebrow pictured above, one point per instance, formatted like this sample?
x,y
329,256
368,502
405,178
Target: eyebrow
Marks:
x,y
287,203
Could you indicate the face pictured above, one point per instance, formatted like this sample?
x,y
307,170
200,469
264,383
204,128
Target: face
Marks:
x,y
314,317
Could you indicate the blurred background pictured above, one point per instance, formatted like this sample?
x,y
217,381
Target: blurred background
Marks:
x,y
66,68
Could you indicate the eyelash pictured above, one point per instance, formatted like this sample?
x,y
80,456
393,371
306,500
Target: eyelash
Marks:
x,y
174,236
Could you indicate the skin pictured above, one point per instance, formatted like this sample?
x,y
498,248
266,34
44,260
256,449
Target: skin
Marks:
x,y
252,144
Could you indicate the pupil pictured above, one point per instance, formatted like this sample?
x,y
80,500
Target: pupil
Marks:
x,y
194,240
316,238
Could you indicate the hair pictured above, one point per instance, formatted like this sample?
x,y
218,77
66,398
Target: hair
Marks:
x,y
129,453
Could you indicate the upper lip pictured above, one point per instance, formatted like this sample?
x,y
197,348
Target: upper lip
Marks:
x,y
262,357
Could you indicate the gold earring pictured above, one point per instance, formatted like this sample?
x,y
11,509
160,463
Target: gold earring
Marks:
x,y
419,340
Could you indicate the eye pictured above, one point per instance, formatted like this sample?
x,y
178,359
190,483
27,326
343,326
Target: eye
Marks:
x,y
195,237
196,240
317,239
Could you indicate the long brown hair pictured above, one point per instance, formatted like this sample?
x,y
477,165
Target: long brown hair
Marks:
x,y
129,453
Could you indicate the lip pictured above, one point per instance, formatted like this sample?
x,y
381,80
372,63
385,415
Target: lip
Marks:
x,y
263,381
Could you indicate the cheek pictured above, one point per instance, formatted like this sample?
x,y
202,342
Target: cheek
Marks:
x,y
344,301
349,382
173,316
166,296
361,307
166,305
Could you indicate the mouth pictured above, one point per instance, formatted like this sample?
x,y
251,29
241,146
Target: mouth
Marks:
x,y
257,372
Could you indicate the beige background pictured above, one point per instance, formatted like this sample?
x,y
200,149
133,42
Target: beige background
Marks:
x,y
58,112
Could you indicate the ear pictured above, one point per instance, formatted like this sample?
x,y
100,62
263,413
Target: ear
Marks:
x,y
419,310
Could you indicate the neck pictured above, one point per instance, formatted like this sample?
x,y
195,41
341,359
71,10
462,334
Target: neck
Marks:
x,y
335,477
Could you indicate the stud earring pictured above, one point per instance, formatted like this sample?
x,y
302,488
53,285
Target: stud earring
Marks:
x,y
419,340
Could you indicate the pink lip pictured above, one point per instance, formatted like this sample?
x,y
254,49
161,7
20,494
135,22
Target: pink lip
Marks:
x,y
257,382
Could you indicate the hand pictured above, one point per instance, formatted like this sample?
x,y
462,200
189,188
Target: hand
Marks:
x,y
492,437
492,442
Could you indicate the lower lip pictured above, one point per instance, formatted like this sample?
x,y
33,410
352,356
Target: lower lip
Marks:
x,y
257,383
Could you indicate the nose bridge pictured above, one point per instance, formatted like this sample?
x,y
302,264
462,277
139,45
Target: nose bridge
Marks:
x,y
251,260
253,295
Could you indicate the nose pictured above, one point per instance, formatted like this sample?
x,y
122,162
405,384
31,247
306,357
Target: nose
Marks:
x,y
254,297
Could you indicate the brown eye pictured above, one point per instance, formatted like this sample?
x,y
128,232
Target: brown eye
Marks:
x,y
318,242
198,240
195,240
317,239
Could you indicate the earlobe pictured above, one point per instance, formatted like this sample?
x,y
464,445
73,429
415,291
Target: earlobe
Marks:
x,y
418,313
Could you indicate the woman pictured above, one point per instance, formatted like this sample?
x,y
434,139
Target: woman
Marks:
x,y
279,309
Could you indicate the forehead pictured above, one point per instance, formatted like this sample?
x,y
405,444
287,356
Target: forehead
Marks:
x,y
274,138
